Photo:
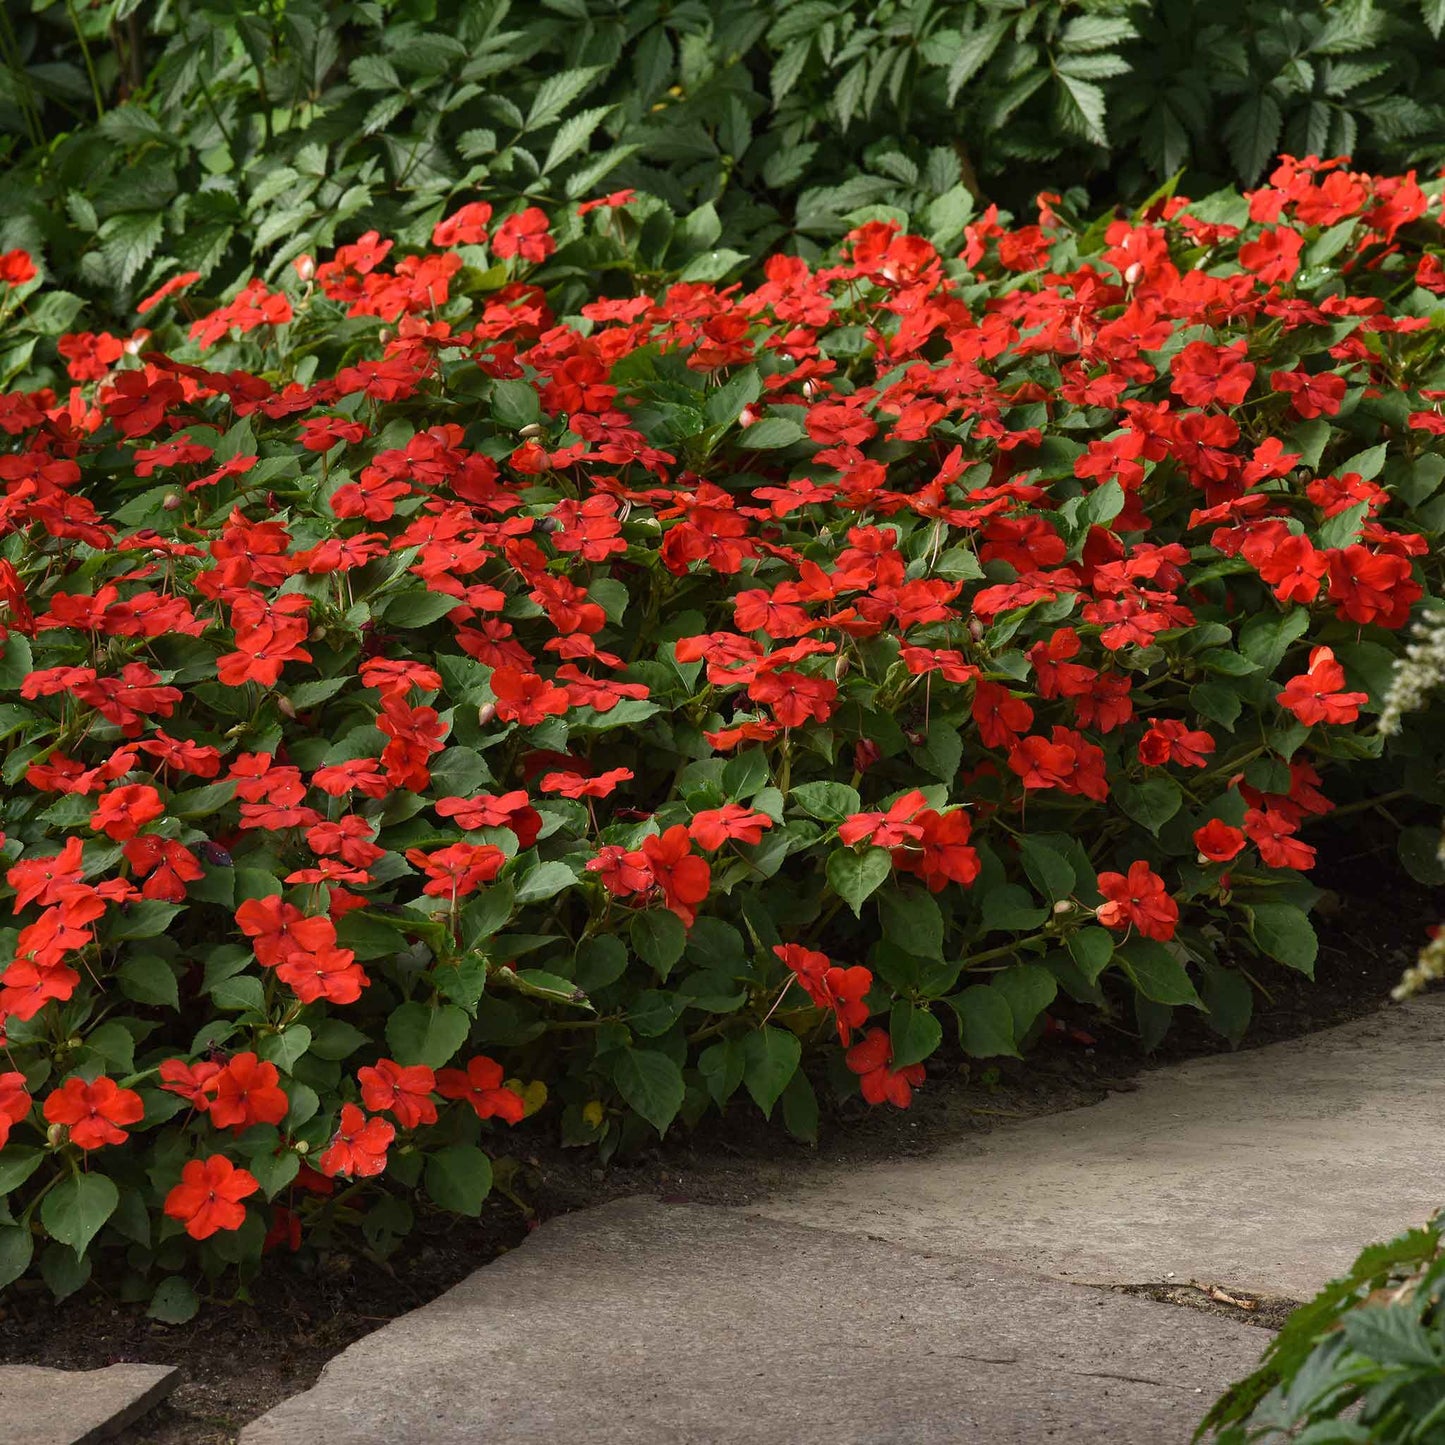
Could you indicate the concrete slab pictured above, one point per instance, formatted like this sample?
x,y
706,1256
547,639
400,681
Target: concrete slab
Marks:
x,y
41,1406
645,1324
1266,1169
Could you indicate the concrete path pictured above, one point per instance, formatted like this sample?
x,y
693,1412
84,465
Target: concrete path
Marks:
x,y
1266,1169
937,1299
41,1406
647,1324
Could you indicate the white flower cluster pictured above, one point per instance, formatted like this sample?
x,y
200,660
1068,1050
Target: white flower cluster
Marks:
x,y
1418,675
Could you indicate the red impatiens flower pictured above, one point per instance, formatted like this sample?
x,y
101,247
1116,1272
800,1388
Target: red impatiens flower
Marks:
x,y
843,990
712,827
208,1198
466,227
95,1113
358,1148
527,235
15,1103
332,974
123,812
1316,696
458,870
872,1060
405,1092
683,877
480,1085
1139,900
247,1091
1218,842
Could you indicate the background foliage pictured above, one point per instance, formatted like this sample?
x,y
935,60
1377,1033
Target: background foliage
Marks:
x,y
228,137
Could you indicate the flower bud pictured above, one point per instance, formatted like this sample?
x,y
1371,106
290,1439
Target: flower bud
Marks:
x,y
1064,905
384,335
532,429
286,707
747,416
172,501
55,1135
302,1147
976,629
305,267
1134,274
486,713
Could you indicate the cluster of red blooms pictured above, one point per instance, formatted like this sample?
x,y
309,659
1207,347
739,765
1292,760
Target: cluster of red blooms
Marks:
x,y
937,511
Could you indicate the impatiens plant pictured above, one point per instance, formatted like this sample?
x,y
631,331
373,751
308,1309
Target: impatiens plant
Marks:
x,y
426,710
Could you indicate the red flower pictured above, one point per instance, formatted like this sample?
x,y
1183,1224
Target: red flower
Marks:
x,y
456,871
123,812
405,1092
15,1103
526,235
1315,696
208,1198
330,973
1274,256
16,268
712,827
245,1092
1140,901
466,227
95,1113
481,1086
872,1060
358,1148
278,929
1218,842
683,877
1170,740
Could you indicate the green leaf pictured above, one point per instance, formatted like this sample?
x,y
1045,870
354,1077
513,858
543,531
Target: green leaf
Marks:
x,y
853,876
915,1033
573,135
1048,870
1285,934
1229,998
658,938
148,979
459,1178
174,1302
1081,107
985,1022
828,802
770,1059
544,881
74,1211
721,1066
651,1084
1156,973
771,433
912,922
1151,803
416,608
1252,134
17,1248
1419,849
515,403
16,662
941,751
1266,637
1030,989
975,50
17,1164
725,405
422,1035
800,1109
1092,949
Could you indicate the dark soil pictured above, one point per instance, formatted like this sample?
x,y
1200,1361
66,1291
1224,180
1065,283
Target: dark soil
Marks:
x,y
241,1359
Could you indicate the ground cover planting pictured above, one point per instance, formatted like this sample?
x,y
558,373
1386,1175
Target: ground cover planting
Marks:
x,y
445,688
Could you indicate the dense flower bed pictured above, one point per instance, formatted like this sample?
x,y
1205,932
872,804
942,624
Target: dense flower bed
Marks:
x,y
424,711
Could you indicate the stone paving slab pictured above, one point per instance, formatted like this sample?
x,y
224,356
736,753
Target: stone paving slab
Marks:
x,y
1266,1169
639,1323
41,1406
